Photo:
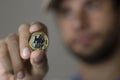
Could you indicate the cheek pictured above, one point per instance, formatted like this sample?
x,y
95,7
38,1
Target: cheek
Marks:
x,y
66,30
102,22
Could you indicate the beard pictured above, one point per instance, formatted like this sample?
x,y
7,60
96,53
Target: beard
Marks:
x,y
104,53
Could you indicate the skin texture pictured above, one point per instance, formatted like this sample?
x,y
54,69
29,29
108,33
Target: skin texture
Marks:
x,y
17,60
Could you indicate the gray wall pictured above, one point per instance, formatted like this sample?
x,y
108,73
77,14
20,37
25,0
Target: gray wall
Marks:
x,y
15,12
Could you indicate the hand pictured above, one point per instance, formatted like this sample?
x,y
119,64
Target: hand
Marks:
x,y
17,60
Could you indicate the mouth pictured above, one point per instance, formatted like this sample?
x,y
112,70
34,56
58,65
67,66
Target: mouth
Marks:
x,y
84,39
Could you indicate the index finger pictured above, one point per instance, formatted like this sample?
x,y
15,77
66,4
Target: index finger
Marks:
x,y
24,35
38,26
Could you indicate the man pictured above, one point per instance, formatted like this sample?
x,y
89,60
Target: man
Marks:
x,y
90,30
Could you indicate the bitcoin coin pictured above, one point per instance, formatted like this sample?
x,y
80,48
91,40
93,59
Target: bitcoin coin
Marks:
x,y
38,40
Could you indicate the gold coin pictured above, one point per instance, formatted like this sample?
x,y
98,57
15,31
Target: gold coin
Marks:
x,y
38,40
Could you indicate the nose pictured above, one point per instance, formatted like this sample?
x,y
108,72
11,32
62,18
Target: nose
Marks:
x,y
80,21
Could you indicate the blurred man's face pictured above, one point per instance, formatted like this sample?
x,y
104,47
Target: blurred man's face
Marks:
x,y
88,26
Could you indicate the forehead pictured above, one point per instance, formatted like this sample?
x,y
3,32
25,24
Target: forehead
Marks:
x,y
56,5
72,2
79,1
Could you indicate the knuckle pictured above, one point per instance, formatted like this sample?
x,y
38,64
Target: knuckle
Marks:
x,y
2,42
12,37
22,27
2,45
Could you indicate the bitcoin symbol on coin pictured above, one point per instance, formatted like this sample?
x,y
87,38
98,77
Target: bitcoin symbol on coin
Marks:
x,y
38,40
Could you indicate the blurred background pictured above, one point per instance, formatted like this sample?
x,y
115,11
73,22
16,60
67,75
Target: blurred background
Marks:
x,y
15,12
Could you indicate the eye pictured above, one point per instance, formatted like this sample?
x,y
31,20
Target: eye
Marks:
x,y
93,4
67,13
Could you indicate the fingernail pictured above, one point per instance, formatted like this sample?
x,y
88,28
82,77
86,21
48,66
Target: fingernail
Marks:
x,y
34,27
20,75
26,53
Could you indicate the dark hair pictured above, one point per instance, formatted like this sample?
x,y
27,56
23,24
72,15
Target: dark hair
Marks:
x,y
116,4
54,5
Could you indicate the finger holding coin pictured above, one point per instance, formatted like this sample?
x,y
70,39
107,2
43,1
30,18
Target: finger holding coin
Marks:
x,y
38,42
24,35
39,38
27,40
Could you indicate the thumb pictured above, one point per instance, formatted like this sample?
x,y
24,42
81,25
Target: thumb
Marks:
x,y
39,63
